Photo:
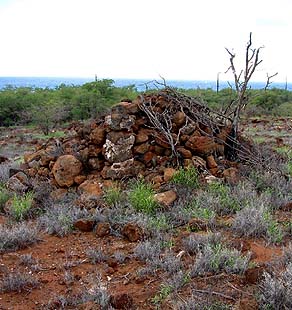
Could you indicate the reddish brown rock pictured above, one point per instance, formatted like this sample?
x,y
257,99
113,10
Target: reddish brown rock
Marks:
x,y
79,179
231,175
179,118
36,156
19,182
166,198
132,231
65,169
141,149
211,163
149,157
84,224
122,301
97,135
59,193
253,275
103,229
168,174
91,188
141,137
184,152
117,171
202,145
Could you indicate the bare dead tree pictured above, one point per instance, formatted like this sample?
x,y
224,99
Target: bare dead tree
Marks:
x,y
269,82
241,83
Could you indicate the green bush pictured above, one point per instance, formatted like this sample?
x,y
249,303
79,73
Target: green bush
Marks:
x,y
141,197
4,197
21,206
113,195
187,177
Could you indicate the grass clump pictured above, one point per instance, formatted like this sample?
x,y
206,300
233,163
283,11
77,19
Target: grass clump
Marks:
x,y
188,177
223,200
276,290
141,197
113,195
59,220
17,282
217,258
4,197
21,206
257,222
17,237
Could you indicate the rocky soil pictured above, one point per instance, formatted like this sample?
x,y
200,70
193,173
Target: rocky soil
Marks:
x,y
114,256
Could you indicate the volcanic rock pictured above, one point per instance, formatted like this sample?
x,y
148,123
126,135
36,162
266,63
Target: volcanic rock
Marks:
x,y
65,169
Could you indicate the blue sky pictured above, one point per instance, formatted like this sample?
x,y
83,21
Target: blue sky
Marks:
x,y
183,39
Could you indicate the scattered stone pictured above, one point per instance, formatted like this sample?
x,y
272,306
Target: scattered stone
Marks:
x,y
202,146
122,301
19,183
253,275
231,175
91,188
132,231
168,174
103,229
211,163
166,198
84,224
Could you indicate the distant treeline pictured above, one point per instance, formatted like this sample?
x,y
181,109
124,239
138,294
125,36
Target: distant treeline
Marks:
x,y
27,105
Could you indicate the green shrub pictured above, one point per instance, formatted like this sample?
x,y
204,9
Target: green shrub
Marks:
x,y
21,206
187,177
4,197
217,258
224,201
113,195
141,197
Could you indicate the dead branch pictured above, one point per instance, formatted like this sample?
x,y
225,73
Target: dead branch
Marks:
x,y
269,82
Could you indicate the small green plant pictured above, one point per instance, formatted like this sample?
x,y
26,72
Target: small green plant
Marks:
x,y
21,206
188,177
4,197
141,197
158,223
113,195
274,231
217,258
164,292
224,201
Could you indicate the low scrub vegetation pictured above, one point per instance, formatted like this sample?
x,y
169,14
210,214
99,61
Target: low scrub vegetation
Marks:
x,y
141,197
18,236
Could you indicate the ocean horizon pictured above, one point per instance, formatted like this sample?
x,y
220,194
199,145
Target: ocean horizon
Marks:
x,y
140,84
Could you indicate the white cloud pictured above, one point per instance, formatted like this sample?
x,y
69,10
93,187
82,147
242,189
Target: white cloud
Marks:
x,y
177,39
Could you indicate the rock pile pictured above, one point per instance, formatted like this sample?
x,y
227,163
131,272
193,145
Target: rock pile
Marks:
x,y
148,136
